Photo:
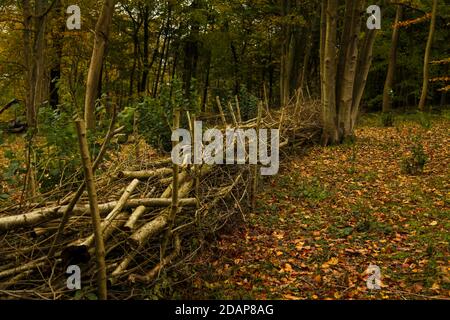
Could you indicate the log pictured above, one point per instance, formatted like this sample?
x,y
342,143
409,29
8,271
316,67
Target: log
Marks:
x,y
131,223
24,267
47,214
146,174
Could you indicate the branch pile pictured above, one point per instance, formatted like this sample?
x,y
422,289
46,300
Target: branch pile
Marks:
x,y
143,232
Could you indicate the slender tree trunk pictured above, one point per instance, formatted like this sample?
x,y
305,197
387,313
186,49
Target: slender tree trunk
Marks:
x,y
206,85
309,42
392,61
28,58
287,53
94,74
330,132
426,59
164,53
323,8
95,213
135,59
145,58
363,67
235,68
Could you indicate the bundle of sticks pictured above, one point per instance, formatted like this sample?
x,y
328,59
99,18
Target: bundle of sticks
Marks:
x,y
149,215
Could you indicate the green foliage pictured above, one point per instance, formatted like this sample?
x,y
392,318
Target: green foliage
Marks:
x,y
155,114
415,163
312,190
11,172
58,158
126,118
248,104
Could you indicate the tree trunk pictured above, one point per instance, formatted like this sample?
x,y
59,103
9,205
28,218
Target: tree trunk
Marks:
x,y
387,92
330,132
287,53
323,8
95,213
343,76
147,67
348,58
426,59
101,38
364,62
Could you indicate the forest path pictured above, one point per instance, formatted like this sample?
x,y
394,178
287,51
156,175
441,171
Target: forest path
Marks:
x,y
328,215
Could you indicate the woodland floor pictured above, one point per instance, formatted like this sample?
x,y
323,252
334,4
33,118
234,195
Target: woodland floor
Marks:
x,y
330,213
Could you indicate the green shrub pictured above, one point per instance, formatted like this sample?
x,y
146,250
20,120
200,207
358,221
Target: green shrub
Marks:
x,y
424,120
415,163
58,157
155,114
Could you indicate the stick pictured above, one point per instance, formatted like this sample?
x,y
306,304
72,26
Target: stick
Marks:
x,y
174,207
131,223
25,267
196,167
255,167
238,109
146,174
222,115
95,214
233,116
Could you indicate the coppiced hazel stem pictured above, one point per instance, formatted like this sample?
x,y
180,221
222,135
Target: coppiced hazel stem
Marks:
x,y
137,213
35,217
222,115
196,166
174,207
95,214
255,167
146,174
238,110
233,115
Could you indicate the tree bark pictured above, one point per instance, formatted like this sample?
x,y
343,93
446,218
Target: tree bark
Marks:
x,y
426,59
392,61
95,213
348,58
101,38
330,132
